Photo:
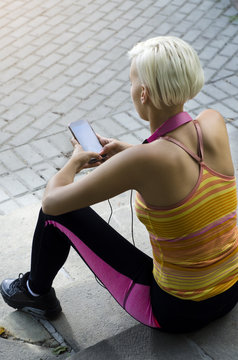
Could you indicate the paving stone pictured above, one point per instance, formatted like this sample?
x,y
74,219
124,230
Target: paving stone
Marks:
x,y
8,206
50,60
73,115
30,178
3,195
202,98
65,106
187,8
84,78
3,169
221,74
54,71
127,121
106,74
92,102
85,91
208,53
111,87
75,69
33,84
62,141
45,148
99,66
23,137
51,130
232,80
10,86
209,74
45,171
27,328
15,111
5,64
28,154
213,91
44,121
41,108
62,93
116,99
13,98
200,43
231,103
114,128
232,64
36,96
11,160
218,62
129,138
224,110
227,87
192,104
4,137
12,185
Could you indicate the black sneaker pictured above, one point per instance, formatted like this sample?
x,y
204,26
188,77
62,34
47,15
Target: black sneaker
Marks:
x,y
16,295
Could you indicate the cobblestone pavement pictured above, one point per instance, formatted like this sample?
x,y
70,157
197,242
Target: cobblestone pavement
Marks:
x,y
62,60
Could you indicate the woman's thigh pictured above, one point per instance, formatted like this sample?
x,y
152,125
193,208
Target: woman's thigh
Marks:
x,y
122,268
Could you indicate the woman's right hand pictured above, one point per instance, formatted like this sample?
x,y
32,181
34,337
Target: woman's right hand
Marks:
x,y
111,146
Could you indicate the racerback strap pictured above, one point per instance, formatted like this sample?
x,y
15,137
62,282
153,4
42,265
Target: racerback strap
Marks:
x,y
169,125
199,156
173,123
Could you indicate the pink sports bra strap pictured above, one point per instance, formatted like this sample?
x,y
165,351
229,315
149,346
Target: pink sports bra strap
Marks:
x,y
199,157
176,142
200,141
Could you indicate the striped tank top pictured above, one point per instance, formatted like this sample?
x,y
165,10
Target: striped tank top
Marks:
x,y
195,242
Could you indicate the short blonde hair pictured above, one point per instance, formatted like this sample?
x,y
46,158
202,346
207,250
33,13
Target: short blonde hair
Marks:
x,y
169,68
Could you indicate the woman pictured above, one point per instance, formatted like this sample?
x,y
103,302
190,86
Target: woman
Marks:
x,y
186,198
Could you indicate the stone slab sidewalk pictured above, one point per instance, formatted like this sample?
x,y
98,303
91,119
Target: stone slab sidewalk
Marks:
x,y
65,60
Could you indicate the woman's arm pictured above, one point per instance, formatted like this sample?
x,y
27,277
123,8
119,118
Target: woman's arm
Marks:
x,y
115,176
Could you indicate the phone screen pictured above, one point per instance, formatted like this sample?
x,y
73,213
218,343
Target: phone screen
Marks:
x,y
85,135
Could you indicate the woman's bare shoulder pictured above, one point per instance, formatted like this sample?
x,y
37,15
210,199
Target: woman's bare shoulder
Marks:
x,y
213,126
210,116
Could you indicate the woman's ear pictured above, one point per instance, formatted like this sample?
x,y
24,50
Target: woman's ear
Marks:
x,y
144,94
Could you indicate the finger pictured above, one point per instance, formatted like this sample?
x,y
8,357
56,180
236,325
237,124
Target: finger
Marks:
x,y
95,156
103,141
106,149
74,141
103,151
93,164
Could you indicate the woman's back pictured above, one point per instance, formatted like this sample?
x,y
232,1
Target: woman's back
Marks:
x,y
195,239
170,174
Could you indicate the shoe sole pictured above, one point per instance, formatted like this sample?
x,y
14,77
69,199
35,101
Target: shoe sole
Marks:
x,y
39,313
42,314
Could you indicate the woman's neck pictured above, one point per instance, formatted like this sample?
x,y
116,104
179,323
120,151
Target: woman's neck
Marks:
x,y
158,116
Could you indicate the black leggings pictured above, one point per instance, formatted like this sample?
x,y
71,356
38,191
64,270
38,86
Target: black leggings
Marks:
x,y
123,269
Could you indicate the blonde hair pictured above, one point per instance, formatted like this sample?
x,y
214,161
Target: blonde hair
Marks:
x,y
169,68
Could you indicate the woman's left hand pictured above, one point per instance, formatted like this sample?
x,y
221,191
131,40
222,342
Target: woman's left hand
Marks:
x,y
82,158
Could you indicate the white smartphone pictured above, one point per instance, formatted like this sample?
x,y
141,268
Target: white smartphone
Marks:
x,y
85,135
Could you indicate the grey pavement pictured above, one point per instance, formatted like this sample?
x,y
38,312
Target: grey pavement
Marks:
x,y
62,60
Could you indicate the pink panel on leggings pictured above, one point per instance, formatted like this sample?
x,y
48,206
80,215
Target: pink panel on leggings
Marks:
x,y
138,298
138,305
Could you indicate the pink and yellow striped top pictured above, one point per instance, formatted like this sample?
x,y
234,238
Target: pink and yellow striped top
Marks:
x,y
195,242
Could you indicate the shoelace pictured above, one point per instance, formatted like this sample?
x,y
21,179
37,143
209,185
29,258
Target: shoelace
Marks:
x,y
18,283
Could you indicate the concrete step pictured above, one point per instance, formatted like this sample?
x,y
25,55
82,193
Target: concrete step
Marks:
x,y
218,341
